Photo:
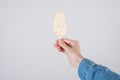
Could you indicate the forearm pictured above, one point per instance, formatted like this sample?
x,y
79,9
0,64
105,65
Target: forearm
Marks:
x,y
88,70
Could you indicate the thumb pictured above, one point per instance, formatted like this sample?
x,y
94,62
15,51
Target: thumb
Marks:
x,y
63,45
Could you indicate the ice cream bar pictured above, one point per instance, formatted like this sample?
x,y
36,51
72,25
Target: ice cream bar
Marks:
x,y
60,25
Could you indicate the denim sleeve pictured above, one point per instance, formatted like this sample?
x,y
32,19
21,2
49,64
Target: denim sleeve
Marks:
x,y
88,70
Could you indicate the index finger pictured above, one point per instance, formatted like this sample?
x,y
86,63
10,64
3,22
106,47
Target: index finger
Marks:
x,y
70,41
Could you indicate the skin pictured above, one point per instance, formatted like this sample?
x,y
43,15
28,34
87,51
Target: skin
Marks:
x,y
71,49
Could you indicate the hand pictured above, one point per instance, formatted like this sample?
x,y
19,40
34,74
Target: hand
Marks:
x,y
71,49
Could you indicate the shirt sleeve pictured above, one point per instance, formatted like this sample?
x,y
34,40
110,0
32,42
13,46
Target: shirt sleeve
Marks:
x,y
89,70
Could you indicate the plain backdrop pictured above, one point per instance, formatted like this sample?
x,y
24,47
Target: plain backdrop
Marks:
x,y
27,40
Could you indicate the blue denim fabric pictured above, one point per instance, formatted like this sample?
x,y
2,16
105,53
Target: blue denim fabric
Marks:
x,y
88,70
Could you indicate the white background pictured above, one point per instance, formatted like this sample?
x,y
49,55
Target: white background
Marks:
x,y
27,38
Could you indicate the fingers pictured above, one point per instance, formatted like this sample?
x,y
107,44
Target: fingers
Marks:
x,y
58,47
63,44
70,42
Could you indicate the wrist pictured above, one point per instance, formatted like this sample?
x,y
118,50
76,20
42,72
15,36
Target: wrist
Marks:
x,y
78,60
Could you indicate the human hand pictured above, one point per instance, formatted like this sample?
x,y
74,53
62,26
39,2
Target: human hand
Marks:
x,y
71,49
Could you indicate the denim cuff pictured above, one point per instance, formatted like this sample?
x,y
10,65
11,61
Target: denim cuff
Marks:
x,y
84,68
